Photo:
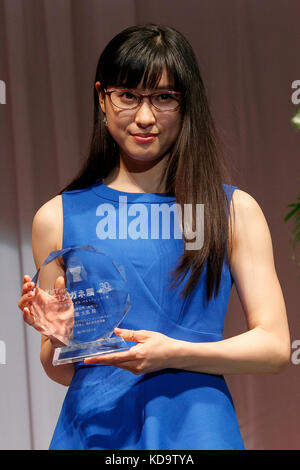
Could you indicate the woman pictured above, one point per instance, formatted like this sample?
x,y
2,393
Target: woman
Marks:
x,y
154,142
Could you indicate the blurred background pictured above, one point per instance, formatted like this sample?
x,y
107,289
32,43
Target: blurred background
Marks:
x,y
248,53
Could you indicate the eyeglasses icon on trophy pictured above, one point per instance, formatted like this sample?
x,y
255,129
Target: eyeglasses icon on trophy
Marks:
x,y
80,316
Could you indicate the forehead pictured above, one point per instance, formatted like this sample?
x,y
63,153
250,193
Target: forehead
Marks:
x,y
144,78
163,83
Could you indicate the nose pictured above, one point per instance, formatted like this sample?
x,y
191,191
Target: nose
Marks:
x,y
144,116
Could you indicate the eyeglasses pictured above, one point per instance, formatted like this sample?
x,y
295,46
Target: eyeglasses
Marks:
x,y
164,100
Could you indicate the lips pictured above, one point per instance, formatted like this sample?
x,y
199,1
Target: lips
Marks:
x,y
144,138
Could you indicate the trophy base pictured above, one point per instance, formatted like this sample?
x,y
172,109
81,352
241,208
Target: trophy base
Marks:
x,y
79,351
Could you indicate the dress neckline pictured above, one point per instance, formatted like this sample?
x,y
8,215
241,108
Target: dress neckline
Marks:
x,y
113,194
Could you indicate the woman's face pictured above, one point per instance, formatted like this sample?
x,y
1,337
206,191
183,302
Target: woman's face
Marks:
x,y
144,134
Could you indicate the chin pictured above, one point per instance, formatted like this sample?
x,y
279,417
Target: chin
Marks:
x,y
142,157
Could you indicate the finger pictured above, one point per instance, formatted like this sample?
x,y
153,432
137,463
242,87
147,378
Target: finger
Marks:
x,y
59,283
109,359
27,286
60,288
26,280
28,316
26,299
132,335
112,358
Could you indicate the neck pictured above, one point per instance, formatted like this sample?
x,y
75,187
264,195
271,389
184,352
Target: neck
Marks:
x,y
140,177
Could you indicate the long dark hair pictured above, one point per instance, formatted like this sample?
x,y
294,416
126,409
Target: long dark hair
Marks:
x,y
195,169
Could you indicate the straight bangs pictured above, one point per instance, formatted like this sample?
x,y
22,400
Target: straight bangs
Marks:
x,y
142,66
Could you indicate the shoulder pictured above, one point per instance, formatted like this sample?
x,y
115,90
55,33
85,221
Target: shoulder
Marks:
x,y
47,216
243,199
47,227
244,209
249,228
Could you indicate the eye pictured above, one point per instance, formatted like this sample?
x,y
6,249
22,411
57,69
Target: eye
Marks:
x,y
127,96
124,99
164,97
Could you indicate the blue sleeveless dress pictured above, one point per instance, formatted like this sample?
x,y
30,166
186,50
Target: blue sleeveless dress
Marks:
x,y
110,408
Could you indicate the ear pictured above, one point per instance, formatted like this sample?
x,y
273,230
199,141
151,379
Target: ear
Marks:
x,y
101,96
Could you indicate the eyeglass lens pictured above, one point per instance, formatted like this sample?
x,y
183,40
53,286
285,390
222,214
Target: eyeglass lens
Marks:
x,y
128,100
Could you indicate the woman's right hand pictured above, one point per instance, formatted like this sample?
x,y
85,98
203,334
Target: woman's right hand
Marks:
x,y
25,302
51,315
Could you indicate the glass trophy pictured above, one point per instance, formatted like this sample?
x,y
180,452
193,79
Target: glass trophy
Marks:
x,y
80,314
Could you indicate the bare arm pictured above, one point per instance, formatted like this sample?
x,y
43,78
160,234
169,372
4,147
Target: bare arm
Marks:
x,y
265,347
47,230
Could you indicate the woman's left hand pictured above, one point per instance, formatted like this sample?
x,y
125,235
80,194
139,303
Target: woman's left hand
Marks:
x,y
153,351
